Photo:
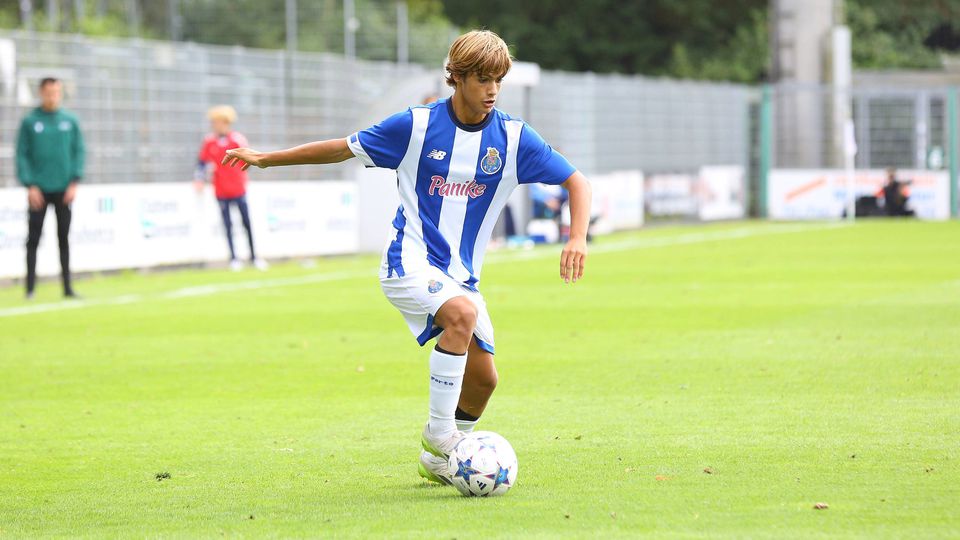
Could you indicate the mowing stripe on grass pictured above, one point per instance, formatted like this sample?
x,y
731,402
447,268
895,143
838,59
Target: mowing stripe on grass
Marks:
x,y
217,288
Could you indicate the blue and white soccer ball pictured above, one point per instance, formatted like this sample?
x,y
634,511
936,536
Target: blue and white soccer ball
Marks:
x,y
483,464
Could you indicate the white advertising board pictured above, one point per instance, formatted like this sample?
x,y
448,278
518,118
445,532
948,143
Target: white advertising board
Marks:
x,y
822,193
141,225
617,201
722,193
671,195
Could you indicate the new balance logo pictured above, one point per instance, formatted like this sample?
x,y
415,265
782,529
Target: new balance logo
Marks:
x,y
437,155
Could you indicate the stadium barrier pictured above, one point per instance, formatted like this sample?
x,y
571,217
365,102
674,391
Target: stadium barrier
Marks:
x,y
715,192
119,226
822,193
617,201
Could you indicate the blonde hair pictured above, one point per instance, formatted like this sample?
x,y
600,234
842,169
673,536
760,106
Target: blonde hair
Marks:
x,y
222,112
481,52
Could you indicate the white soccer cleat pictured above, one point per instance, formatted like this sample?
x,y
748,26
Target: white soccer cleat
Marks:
x,y
434,469
440,447
261,265
236,265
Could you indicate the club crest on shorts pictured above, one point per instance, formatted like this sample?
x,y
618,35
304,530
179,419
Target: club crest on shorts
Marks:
x,y
434,286
491,162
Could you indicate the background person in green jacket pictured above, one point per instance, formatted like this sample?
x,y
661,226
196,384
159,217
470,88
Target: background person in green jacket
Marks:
x,y
50,159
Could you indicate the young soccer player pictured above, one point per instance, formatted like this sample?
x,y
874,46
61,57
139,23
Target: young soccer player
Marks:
x,y
457,161
229,184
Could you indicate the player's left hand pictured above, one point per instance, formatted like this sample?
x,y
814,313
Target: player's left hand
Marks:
x,y
70,194
572,260
244,157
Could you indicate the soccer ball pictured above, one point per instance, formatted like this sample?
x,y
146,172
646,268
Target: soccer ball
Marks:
x,y
483,464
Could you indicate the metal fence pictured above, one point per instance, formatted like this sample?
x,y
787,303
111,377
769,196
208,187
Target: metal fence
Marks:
x,y
894,127
616,122
142,104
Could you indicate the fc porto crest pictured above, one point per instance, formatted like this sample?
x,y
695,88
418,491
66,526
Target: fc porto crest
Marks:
x,y
434,286
491,162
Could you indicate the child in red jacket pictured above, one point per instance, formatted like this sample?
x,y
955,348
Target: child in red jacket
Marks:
x,y
229,183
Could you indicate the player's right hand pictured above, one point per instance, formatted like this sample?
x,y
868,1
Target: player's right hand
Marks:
x,y
245,157
35,198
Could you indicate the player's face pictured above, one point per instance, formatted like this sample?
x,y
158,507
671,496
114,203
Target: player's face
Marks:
x,y
219,126
51,95
480,92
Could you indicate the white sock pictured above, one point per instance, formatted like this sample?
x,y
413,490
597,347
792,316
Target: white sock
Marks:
x,y
467,426
446,379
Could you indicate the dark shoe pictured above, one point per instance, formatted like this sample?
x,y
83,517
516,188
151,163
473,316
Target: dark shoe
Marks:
x,y
29,296
72,295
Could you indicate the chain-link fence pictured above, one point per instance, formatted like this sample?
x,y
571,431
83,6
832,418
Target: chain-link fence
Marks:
x,y
617,122
142,104
894,127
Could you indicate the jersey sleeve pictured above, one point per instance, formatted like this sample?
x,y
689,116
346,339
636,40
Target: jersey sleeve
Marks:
x,y
384,144
538,162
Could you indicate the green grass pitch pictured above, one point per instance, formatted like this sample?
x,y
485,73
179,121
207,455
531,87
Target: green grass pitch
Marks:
x,y
712,381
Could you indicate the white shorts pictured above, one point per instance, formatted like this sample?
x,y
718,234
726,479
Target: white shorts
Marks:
x,y
419,294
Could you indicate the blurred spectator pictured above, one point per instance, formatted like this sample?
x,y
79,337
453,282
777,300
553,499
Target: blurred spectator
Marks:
x,y
896,194
229,183
547,201
50,159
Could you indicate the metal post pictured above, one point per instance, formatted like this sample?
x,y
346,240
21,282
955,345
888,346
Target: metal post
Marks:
x,y
133,14
766,146
849,164
173,14
53,15
291,25
79,13
953,151
26,14
350,25
403,33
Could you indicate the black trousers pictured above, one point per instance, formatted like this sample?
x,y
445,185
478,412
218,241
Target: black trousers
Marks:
x,y
36,218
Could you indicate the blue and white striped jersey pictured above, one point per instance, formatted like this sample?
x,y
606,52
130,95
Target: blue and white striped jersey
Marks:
x,y
454,180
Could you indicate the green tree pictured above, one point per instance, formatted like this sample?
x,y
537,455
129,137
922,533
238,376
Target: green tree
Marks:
x,y
717,39
890,34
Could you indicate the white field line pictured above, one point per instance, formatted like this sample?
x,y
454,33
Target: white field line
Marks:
x,y
499,257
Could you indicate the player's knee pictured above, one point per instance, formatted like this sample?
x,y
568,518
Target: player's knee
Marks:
x,y
461,318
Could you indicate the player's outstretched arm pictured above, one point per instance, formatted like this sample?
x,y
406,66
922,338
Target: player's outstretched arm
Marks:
x,y
574,255
320,152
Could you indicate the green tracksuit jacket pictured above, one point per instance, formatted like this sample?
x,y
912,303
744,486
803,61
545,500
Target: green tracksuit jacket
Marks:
x,y
50,151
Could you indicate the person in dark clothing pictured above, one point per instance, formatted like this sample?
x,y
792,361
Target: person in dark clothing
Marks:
x,y
895,195
50,159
